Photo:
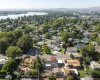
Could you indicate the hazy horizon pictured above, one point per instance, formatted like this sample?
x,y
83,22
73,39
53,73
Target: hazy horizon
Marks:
x,y
46,4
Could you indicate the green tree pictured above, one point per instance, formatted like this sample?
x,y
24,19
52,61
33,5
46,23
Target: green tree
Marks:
x,y
45,28
95,73
64,36
13,52
46,49
88,51
3,45
72,56
97,28
33,72
48,36
98,40
52,77
11,65
25,43
94,36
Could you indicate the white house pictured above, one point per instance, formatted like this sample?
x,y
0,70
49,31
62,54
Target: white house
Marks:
x,y
94,65
72,50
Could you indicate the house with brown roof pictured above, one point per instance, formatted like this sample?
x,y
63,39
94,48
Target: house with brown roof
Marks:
x,y
26,65
73,63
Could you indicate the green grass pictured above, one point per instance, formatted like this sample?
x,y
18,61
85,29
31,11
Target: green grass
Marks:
x,y
62,50
52,50
81,72
88,68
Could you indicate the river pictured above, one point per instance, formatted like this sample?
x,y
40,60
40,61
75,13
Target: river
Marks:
x,y
14,16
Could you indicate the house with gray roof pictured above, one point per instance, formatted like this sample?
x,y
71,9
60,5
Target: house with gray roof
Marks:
x,y
94,65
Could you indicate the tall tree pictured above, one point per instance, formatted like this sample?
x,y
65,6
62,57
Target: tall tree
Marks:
x,y
88,51
3,45
25,43
13,52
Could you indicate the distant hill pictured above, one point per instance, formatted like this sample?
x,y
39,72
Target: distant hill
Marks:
x,y
97,8
76,9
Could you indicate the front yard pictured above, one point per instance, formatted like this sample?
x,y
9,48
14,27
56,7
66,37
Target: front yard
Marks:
x,y
81,72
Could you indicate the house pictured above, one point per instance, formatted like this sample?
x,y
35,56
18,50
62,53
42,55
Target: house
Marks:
x,y
77,56
60,63
51,63
56,52
94,65
72,50
58,72
2,62
73,63
85,40
70,71
26,64
54,47
79,45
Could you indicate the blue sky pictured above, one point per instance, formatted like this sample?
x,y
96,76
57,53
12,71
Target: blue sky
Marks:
x,y
39,4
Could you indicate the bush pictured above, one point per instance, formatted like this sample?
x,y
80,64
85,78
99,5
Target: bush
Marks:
x,y
11,65
3,73
33,72
95,74
72,56
52,77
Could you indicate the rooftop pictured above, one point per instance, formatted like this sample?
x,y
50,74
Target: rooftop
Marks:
x,y
95,64
73,62
72,49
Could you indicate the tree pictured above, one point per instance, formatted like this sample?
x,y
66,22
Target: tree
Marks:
x,y
33,72
25,43
47,36
64,36
11,65
72,56
95,73
45,28
46,49
98,40
97,28
3,45
13,52
52,77
88,51
94,36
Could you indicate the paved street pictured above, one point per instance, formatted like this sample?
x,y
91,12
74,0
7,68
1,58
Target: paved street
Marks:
x,y
2,56
57,56
88,77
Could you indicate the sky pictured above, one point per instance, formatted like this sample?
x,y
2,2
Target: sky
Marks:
x,y
44,4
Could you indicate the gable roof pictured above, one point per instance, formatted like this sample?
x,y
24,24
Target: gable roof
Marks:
x,y
74,63
72,49
95,64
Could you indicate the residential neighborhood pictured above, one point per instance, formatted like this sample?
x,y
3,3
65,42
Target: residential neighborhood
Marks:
x,y
50,44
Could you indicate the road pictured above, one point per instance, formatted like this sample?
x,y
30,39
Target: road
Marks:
x,y
2,56
57,56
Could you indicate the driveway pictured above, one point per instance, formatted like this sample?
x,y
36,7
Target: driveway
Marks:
x,y
2,56
33,51
57,56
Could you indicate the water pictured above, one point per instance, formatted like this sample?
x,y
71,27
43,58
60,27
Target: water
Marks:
x,y
14,16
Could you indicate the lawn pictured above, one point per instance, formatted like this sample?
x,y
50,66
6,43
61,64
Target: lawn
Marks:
x,y
62,50
2,79
88,68
81,72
